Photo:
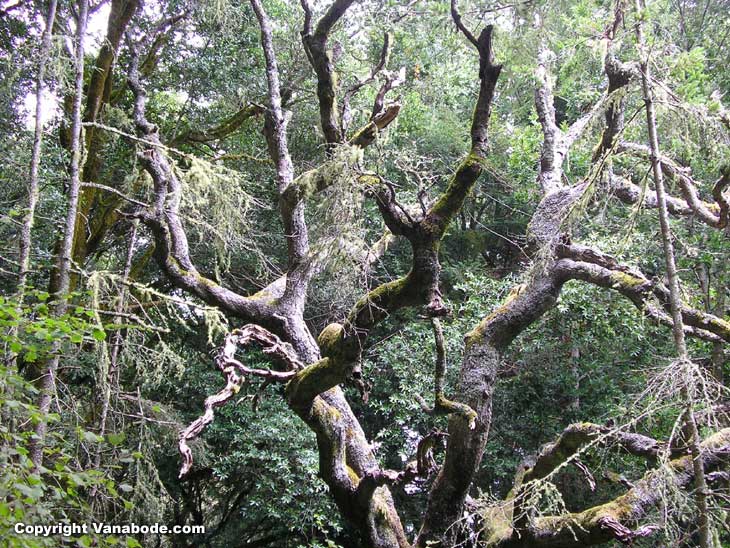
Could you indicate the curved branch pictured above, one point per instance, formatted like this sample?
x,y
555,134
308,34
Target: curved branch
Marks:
x,y
459,25
341,344
233,385
484,347
221,130
640,290
346,116
271,345
442,405
576,436
632,194
171,249
612,521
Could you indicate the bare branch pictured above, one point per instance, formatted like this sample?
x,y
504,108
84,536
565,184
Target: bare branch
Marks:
x,y
346,116
116,192
271,345
576,436
276,136
392,81
639,290
221,130
714,215
171,249
316,46
442,405
633,194
459,25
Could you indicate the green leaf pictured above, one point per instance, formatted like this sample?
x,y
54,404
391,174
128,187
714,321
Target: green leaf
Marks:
x,y
116,439
98,334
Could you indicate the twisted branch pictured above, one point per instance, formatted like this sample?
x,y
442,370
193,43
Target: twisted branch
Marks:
x,y
235,373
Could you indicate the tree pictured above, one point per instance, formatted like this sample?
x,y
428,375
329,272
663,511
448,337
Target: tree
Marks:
x,y
63,266
351,207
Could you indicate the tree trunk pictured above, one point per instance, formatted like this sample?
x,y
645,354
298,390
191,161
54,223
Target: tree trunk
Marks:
x,y
35,158
63,260
675,302
112,372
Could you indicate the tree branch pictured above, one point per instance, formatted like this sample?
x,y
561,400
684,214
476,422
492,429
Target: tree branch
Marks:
x,y
714,215
346,116
321,60
612,521
171,249
341,343
578,435
271,345
442,405
221,130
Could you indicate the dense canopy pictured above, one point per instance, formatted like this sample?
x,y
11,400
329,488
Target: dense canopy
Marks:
x,y
365,273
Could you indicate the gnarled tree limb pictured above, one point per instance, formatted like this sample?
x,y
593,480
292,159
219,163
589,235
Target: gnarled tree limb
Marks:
x,y
714,215
616,519
234,372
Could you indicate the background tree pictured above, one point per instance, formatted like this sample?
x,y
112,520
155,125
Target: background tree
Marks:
x,y
341,219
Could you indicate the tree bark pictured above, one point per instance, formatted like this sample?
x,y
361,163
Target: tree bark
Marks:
x,y
33,188
675,297
47,382
98,94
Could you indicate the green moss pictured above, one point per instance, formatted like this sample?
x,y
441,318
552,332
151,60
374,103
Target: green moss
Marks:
x,y
203,280
380,508
184,272
497,524
721,324
352,474
477,335
264,295
344,159
311,370
329,414
461,184
622,279
330,338
617,509
378,302
310,381
367,133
